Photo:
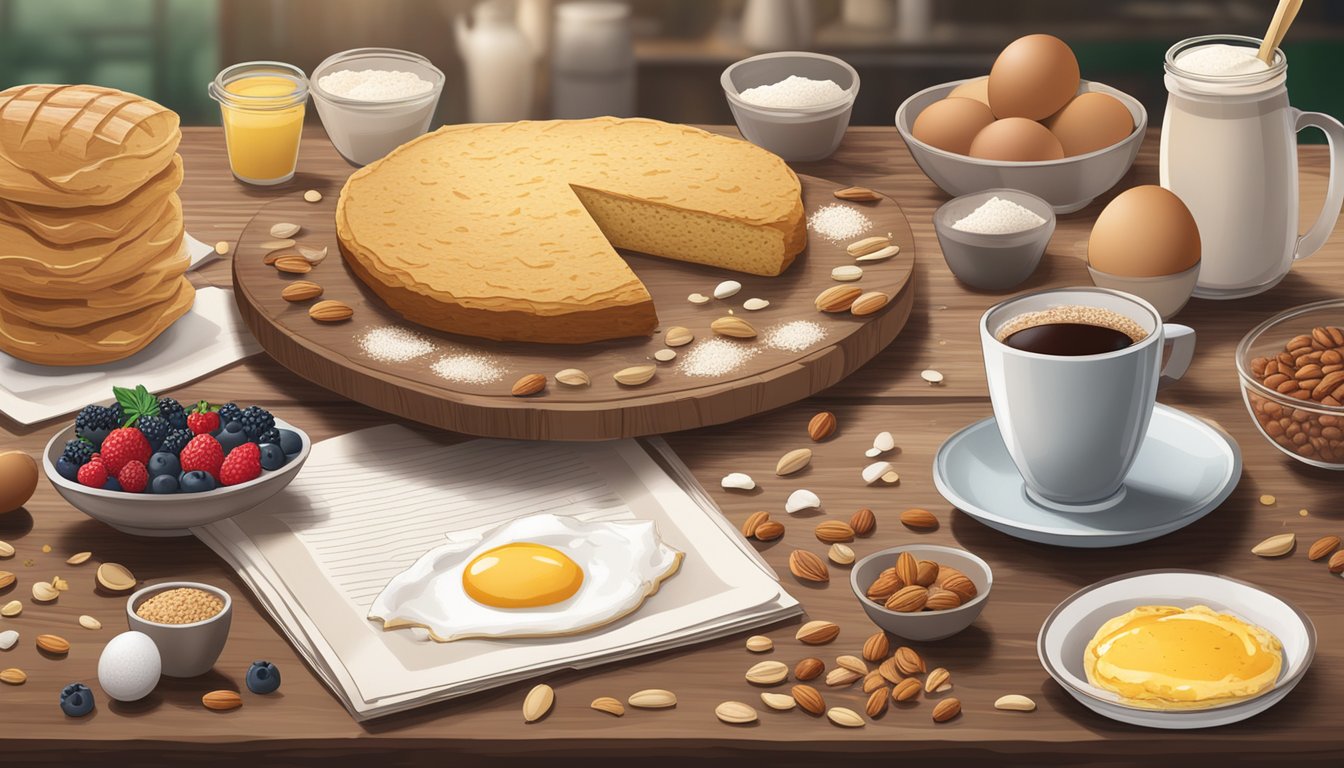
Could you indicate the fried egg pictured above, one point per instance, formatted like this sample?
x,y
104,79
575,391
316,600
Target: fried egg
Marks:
x,y
532,577
1164,657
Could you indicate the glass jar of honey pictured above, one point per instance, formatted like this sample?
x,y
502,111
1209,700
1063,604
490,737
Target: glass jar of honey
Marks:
x,y
262,105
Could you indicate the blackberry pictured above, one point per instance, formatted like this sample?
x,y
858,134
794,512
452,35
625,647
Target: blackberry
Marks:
x,y
77,452
154,428
94,423
271,435
230,412
256,420
118,415
173,412
176,440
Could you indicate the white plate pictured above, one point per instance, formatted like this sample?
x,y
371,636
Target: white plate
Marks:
x,y
1184,470
1070,627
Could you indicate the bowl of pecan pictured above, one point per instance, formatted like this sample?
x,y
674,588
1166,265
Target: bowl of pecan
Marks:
x,y
1291,369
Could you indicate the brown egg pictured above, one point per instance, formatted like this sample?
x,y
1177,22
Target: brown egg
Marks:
x,y
951,124
977,89
1090,122
1145,231
1016,139
18,480
1034,77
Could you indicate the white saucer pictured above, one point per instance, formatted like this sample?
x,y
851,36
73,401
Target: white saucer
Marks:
x,y
1070,627
1184,470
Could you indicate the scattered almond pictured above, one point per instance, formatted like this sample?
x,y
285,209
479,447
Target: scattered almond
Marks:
x,y
821,426
905,689
877,702
635,375
735,713
881,254
753,522
1336,563
946,710
830,531
863,521
845,718
13,676
276,245
44,592
737,481
284,230
931,376
878,470
678,336
88,622
852,663
572,377
115,577
733,327
312,196
867,245
755,305
888,671
311,254
800,500
11,609
857,195
609,705
652,698
301,290
759,644
222,248
6,578
1275,546
1323,547
908,661
222,701
665,355
840,554
840,677
778,701
538,702
79,558
808,699
530,384
53,644
874,681
938,680
768,673
838,298
817,633
330,311
809,668
919,519
727,289
769,530
869,303
876,647
793,461
1014,703
847,273
60,584
808,567
698,298
293,265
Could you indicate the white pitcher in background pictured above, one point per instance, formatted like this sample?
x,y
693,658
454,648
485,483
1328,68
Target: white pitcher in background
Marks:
x,y
499,62
1229,151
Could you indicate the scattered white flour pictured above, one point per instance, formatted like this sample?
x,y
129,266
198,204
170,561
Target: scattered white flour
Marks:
x,y
794,91
1220,60
374,84
997,216
794,336
838,221
469,369
715,357
394,344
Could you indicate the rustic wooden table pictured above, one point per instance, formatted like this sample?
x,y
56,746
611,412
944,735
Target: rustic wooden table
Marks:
x,y
304,724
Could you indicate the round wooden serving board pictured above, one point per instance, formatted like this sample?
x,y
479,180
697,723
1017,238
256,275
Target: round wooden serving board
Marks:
x,y
330,354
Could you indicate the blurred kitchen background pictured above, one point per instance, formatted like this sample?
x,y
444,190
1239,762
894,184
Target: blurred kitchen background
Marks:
x,y
656,58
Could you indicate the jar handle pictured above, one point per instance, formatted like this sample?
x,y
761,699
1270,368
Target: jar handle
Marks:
x,y
1334,196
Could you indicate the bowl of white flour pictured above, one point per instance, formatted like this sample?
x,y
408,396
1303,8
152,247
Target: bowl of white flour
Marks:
x,y
793,103
373,100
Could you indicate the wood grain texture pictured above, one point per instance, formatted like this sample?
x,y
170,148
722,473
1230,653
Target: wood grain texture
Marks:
x,y
304,725
330,354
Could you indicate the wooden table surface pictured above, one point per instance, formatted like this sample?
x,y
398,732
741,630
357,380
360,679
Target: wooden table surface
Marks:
x,y
304,724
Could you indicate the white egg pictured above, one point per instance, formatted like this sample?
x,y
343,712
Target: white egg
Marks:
x,y
129,667
531,577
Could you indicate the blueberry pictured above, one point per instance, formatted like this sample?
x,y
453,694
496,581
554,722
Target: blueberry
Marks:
x,y
263,677
197,481
231,436
164,484
290,442
76,700
66,469
164,463
111,484
271,456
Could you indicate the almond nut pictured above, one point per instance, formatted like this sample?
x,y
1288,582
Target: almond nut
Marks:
x,y
735,713
11,609
939,680
905,689
609,705
857,195
840,677
808,567
531,384
572,377
840,554
53,644
817,633
44,592
919,519
768,673
1323,547
293,265
13,676
808,699
1275,546
885,585
908,661
330,311
1336,563
278,244
793,461
1014,703
769,530
759,644
876,647
635,375
809,668
946,710
877,702
312,196
301,290
927,573
869,303
961,585
752,522
652,698
867,245
6,578
874,681
780,701
222,701
852,663
908,599
844,717
880,254
821,426
115,577
678,336
88,622
863,521
733,327
838,298
312,255
888,671
907,568
6,549
284,230
538,702
942,599
831,531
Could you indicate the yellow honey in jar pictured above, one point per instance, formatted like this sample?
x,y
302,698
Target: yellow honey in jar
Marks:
x,y
262,107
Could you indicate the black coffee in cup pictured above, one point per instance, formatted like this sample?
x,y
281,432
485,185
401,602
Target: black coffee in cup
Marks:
x,y
1071,331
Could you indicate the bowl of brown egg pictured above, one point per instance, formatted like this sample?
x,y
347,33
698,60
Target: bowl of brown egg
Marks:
x,y
1032,124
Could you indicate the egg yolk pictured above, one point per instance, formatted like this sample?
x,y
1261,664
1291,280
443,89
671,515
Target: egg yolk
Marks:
x,y
521,575
1182,656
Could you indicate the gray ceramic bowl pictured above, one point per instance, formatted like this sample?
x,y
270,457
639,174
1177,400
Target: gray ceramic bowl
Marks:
x,y
148,514
803,133
187,650
1068,184
924,625
1167,293
988,261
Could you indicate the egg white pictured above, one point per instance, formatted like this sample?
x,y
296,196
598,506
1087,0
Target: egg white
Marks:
x,y
623,564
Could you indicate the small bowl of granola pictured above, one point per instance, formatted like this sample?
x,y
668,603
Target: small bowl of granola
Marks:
x,y
187,620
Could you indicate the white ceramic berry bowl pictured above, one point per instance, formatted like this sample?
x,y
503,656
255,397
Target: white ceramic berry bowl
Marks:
x,y
175,514
186,650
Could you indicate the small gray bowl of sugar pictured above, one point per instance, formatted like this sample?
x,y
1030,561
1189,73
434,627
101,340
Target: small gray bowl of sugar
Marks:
x,y
993,240
793,103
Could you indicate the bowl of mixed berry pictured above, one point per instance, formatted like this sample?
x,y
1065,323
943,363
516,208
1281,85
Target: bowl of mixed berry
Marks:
x,y
153,466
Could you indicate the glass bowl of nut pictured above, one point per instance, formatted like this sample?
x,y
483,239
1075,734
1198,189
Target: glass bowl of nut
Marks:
x,y
1291,369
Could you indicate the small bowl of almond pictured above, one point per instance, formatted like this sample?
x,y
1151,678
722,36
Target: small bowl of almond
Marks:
x,y
922,591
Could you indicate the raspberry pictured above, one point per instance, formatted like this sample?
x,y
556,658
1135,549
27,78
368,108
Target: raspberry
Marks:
x,y
93,474
124,445
242,464
133,477
204,453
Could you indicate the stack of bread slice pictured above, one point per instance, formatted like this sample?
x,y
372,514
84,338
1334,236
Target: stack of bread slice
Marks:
x,y
92,258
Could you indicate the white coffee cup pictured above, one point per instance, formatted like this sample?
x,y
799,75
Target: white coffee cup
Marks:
x,y
1073,425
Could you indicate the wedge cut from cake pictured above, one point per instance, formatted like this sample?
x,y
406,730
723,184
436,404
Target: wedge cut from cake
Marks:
x,y
508,231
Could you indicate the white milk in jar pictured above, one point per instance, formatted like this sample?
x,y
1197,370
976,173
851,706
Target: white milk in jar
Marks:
x,y
1229,151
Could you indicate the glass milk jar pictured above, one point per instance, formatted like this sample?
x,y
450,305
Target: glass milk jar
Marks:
x,y
1229,151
